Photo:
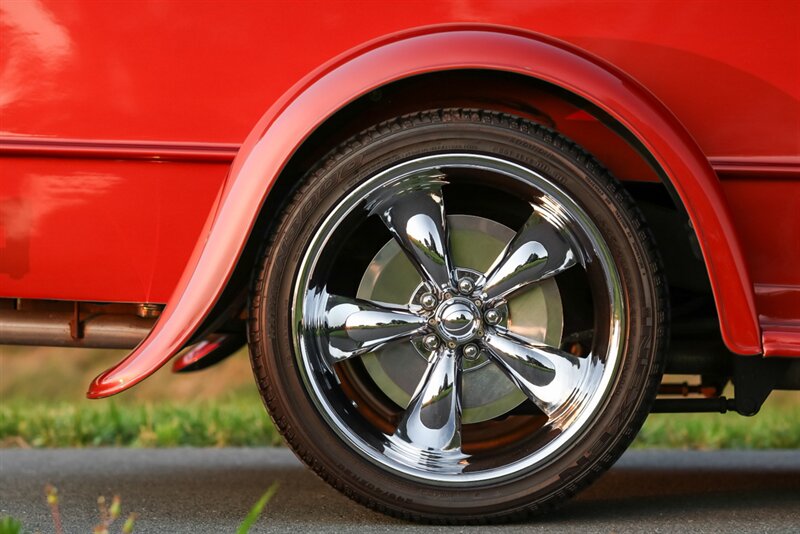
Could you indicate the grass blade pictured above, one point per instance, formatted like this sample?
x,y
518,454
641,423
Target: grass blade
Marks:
x,y
9,525
255,511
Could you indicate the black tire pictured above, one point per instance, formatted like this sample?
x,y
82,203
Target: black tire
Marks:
x,y
542,483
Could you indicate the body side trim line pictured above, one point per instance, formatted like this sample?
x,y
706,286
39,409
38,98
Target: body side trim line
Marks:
x,y
765,166
11,146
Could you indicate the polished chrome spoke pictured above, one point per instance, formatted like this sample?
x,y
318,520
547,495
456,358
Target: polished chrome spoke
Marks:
x,y
540,250
548,376
354,327
413,211
444,351
432,421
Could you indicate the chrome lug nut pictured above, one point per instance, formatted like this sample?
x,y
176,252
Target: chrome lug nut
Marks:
x,y
492,317
471,351
428,301
431,342
465,286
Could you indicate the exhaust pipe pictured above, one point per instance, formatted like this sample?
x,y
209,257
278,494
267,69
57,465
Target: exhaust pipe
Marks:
x,y
57,328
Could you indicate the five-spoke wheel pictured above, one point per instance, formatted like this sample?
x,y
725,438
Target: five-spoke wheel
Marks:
x,y
456,314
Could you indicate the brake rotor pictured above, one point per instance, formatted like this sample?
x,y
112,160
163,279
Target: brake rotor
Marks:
x,y
535,313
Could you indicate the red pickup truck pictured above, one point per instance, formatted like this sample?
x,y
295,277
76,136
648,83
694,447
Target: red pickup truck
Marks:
x,y
463,240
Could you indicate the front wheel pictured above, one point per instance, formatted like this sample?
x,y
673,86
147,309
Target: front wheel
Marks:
x,y
460,318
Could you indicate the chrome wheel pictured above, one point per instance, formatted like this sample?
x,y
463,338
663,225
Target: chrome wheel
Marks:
x,y
449,363
459,318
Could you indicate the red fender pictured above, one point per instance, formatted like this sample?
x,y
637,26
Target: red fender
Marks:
x,y
318,96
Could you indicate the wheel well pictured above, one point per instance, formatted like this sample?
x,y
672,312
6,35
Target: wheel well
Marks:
x,y
532,99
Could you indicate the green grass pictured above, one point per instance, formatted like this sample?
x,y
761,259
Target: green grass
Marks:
x,y
241,421
42,404
772,429
10,525
255,511
235,422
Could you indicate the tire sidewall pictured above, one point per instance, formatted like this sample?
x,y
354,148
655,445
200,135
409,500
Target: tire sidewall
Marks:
x,y
630,393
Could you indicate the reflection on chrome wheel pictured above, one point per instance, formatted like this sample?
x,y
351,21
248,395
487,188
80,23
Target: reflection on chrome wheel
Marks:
x,y
454,315
466,310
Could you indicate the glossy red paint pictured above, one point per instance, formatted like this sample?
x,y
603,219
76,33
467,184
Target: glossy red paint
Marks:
x,y
782,340
777,304
768,229
73,58
69,75
784,167
119,150
729,75
295,116
71,232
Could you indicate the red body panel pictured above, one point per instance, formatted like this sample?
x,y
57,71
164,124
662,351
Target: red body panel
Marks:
x,y
206,71
69,71
85,230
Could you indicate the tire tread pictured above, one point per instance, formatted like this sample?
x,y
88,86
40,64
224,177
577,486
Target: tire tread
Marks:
x,y
259,315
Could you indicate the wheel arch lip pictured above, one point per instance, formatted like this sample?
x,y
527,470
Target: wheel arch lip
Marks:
x,y
318,96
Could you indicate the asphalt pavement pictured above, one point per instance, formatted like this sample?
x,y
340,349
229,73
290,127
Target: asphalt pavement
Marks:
x,y
210,491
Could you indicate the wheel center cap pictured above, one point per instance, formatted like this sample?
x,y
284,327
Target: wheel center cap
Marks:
x,y
458,319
